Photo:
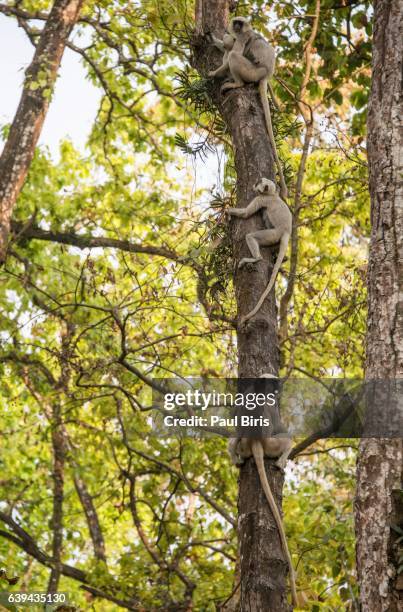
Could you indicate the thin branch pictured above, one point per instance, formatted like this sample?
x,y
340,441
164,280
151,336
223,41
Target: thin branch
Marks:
x,y
340,413
309,122
90,242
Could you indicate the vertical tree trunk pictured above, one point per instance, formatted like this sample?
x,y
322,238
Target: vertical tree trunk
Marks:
x,y
263,568
59,454
27,125
379,498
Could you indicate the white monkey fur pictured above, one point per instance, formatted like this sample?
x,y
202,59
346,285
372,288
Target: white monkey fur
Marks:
x,y
277,446
242,70
281,219
225,46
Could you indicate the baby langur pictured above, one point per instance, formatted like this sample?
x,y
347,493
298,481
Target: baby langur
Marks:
x,y
251,60
225,45
280,217
279,445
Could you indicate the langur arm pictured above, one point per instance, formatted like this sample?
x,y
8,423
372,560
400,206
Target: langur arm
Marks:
x,y
251,209
221,71
217,42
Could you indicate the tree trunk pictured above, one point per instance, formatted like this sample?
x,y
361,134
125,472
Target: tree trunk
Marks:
x,y
378,503
263,568
59,455
34,103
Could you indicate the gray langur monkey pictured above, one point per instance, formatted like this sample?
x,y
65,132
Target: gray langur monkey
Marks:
x,y
278,445
251,60
280,217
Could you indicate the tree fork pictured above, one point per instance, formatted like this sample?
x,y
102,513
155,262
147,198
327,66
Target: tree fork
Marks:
x,y
27,124
263,567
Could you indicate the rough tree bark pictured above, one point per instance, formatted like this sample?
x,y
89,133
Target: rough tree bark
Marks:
x,y
59,456
263,569
26,127
379,503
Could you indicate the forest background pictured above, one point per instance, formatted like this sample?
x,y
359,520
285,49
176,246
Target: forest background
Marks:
x,y
120,271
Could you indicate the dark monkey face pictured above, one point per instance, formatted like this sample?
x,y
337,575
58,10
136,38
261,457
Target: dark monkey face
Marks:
x,y
237,26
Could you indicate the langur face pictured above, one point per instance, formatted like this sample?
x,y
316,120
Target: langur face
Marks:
x,y
237,26
265,186
259,186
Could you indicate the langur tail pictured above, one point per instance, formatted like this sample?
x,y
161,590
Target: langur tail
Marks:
x,y
283,248
258,455
263,83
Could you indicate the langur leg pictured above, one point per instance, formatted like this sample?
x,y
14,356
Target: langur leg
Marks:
x,y
279,446
282,461
232,85
257,239
235,59
253,245
243,70
235,85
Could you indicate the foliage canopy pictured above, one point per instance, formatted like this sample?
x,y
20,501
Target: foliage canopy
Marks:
x,y
120,271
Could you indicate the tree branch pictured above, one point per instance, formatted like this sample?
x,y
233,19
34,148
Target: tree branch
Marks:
x,y
24,541
31,112
59,456
90,242
91,515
